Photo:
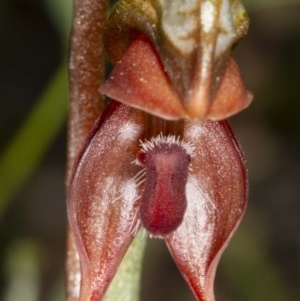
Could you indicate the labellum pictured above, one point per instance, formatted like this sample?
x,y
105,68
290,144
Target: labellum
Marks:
x,y
193,40
163,201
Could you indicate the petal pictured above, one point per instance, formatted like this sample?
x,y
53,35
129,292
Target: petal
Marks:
x,y
216,196
139,80
102,206
230,97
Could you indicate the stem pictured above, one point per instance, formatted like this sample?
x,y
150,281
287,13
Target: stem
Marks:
x,y
86,104
126,284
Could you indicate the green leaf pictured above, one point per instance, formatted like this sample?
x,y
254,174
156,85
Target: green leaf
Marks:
x,y
29,144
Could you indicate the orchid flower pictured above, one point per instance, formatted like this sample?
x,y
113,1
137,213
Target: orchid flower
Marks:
x,y
157,157
183,181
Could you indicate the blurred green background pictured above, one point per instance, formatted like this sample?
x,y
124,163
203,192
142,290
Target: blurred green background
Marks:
x,y
263,260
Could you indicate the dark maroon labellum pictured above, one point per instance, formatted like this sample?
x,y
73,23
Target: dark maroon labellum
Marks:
x,y
163,202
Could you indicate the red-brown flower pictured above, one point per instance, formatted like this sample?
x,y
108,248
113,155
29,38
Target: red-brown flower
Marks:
x,y
183,181
154,159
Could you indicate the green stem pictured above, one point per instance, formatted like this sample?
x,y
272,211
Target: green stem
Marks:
x,y
126,284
